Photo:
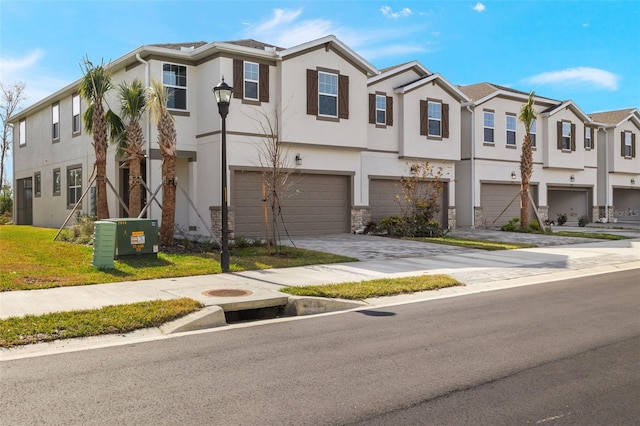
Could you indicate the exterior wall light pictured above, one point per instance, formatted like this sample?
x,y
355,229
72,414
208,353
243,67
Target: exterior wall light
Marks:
x,y
298,160
633,181
572,178
513,175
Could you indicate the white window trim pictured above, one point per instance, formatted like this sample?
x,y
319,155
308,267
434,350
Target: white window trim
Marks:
x,y
384,98
627,146
439,120
533,133
484,126
587,137
186,92
245,80
22,126
508,130
320,93
70,186
567,136
55,121
75,112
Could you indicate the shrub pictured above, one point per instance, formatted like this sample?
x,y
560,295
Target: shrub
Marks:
x,y
534,225
81,232
512,225
562,219
6,200
583,220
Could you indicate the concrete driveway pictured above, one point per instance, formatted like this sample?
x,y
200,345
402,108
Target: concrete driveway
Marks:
x,y
369,247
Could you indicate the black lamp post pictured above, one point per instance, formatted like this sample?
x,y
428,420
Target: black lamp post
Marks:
x,y
223,92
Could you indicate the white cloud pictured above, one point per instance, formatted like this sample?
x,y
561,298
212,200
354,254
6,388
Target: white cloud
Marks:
x,y
13,67
386,11
578,76
479,7
390,50
585,25
285,29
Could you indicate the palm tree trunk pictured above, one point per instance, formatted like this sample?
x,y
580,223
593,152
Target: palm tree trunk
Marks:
x,y
100,147
168,201
135,203
526,170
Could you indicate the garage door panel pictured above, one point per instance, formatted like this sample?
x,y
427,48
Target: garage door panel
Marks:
x,y
384,195
317,204
626,204
495,198
573,203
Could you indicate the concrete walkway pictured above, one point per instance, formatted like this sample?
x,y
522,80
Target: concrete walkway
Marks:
x,y
380,257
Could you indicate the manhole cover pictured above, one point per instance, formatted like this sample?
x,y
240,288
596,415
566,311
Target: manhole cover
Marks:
x,y
227,292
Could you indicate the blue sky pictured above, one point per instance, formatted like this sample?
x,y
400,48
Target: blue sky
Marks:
x,y
587,51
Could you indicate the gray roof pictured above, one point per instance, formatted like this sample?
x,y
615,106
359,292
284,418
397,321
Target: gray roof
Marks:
x,y
611,117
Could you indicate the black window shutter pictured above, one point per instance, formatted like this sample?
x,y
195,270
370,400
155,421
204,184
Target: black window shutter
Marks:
x,y
423,117
343,96
559,140
372,108
312,92
445,120
573,137
622,143
238,78
389,111
264,83
633,145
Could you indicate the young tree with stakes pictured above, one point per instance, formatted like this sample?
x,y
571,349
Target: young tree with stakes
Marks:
x,y
527,116
10,99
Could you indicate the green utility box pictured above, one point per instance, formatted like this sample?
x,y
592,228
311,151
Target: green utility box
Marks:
x,y
104,244
136,237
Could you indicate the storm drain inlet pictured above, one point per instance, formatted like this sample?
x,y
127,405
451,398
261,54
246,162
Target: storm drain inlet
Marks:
x,y
227,292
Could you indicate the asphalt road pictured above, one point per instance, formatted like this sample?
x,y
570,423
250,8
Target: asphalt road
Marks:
x,y
559,353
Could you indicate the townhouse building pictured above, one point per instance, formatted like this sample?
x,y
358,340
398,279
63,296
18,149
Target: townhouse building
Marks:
x,y
344,151
618,165
564,179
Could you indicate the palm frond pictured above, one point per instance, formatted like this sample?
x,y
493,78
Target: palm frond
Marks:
x,y
157,101
133,100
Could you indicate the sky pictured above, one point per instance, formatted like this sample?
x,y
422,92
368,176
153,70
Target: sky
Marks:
x,y
586,51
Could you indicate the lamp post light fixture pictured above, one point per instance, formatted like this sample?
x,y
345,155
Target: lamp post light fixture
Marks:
x,y
223,92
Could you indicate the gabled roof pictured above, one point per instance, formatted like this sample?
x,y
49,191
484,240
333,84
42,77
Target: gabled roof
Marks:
x,y
332,42
254,44
414,66
181,46
615,117
452,89
482,92
563,105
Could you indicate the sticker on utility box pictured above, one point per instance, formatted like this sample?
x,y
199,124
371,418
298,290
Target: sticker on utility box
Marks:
x,y
137,237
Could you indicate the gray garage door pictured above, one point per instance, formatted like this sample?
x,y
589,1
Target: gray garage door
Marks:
x,y
382,200
572,202
319,204
495,197
626,202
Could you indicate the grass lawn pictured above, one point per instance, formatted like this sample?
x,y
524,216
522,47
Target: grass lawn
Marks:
x,y
596,235
476,244
375,288
32,260
108,320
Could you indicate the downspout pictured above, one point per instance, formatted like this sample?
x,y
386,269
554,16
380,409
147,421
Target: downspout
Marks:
x,y
473,166
606,174
148,156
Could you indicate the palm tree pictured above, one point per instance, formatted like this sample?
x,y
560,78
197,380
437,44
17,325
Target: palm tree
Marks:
x,y
527,115
93,88
133,100
157,105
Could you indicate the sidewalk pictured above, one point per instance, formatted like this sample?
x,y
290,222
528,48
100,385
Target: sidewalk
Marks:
x,y
479,270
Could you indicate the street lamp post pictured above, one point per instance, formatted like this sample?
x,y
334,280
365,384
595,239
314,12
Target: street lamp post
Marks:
x,y
223,92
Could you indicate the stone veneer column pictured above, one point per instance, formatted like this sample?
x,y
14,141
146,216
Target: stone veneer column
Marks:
x,y
451,218
543,211
477,217
216,221
360,216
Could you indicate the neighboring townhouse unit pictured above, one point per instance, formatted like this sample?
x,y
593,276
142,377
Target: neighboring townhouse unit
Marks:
x,y
618,165
564,179
317,96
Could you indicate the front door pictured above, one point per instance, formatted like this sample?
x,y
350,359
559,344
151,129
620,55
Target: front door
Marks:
x,y
24,202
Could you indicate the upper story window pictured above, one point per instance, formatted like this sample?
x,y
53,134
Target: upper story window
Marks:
x,y
37,184
22,128
55,127
250,81
532,133
566,132
434,115
75,114
327,94
588,137
488,122
174,79
381,109
628,144
511,129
